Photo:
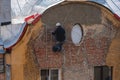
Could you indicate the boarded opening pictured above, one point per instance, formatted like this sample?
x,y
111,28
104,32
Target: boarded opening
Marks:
x,y
49,74
102,73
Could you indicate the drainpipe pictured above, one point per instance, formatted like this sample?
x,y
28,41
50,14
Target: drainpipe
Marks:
x,y
8,66
110,73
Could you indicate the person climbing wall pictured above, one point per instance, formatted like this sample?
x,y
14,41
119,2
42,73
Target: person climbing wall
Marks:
x,y
57,47
59,33
60,37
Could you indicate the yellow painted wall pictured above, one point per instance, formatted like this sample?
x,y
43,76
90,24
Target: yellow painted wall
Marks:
x,y
113,57
19,51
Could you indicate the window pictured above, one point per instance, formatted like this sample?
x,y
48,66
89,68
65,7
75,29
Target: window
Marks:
x,y
102,73
44,74
8,72
49,74
76,34
2,65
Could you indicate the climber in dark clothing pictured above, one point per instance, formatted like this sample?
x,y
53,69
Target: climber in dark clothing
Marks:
x,y
59,33
57,47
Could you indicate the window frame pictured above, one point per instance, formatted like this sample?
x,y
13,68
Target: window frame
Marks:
x,y
81,28
102,70
49,73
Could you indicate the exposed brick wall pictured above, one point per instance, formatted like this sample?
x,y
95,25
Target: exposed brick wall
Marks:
x,y
43,49
74,60
31,70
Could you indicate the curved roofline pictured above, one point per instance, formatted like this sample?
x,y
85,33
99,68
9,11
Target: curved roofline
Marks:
x,y
100,5
20,37
23,31
112,14
115,15
66,2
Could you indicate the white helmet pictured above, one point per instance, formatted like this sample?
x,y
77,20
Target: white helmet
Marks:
x,y
58,24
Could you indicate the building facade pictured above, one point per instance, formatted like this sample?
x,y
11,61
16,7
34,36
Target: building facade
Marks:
x,y
92,56
89,60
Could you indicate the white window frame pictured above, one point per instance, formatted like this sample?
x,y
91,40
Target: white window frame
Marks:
x,y
59,73
77,25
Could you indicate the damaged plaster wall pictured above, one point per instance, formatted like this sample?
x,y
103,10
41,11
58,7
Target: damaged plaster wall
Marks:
x,y
113,59
23,60
31,67
72,60
76,62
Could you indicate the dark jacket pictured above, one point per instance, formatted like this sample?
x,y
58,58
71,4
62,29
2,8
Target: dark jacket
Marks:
x,y
59,34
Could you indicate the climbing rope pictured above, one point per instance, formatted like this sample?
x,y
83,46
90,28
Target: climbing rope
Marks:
x,y
68,14
46,42
85,62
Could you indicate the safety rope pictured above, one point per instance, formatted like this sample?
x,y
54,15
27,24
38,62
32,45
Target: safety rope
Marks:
x,y
68,14
85,62
63,60
46,54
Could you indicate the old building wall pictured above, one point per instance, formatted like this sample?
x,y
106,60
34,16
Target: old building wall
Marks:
x,y
113,58
34,51
23,63
74,12
31,67
72,59
76,62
